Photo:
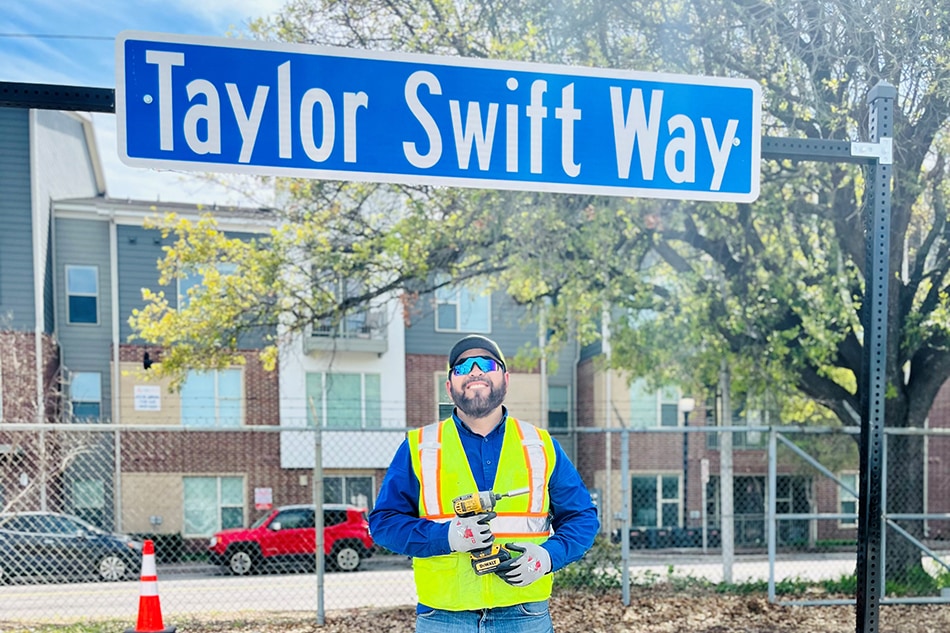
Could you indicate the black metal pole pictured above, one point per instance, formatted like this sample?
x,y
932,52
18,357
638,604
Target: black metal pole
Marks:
x,y
873,384
54,97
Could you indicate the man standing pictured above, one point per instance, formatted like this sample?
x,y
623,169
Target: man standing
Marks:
x,y
483,448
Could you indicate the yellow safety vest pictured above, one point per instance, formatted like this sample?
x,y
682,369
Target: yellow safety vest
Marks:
x,y
438,460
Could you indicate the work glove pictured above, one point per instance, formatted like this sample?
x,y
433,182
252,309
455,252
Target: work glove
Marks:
x,y
533,563
467,534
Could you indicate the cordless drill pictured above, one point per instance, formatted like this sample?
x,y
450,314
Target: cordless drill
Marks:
x,y
485,561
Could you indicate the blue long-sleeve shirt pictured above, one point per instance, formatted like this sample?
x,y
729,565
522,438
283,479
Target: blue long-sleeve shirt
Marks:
x,y
395,523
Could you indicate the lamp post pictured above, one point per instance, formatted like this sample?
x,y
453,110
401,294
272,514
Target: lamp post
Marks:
x,y
686,405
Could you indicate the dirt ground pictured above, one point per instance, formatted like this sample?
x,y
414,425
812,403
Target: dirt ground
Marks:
x,y
649,612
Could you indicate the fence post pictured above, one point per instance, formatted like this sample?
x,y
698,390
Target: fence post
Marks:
x,y
625,508
318,518
772,523
727,526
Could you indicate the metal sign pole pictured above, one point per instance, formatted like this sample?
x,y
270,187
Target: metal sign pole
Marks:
x,y
874,366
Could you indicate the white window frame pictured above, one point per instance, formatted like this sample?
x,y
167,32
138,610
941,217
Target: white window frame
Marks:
x,y
569,410
217,401
69,316
219,506
669,396
343,488
453,296
660,499
846,497
364,415
73,399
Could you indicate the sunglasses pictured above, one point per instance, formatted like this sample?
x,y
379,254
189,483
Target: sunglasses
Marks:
x,y
484,363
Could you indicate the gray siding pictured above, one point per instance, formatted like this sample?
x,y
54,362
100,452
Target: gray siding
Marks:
x,y
508,330
138,251
85,347
16,237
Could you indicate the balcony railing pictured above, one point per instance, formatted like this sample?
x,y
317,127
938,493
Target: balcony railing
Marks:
x,y
358,332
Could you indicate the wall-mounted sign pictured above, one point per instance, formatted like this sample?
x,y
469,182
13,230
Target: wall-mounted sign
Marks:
x,y
148,398
263,498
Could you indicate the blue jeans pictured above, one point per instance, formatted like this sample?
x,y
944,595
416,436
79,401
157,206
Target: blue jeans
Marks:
x,y
530,617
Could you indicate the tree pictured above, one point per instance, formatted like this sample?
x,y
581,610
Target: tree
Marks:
x,y
775,287
34,462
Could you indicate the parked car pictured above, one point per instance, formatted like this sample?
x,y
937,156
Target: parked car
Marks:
x,y
58,545
286,537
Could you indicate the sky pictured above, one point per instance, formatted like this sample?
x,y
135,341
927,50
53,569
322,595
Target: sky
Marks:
x,y
72,42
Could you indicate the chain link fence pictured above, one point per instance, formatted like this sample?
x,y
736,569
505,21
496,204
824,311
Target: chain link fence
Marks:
x,y
231,515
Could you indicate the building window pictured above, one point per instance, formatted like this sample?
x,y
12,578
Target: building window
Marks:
x,y
89,500
558,407
848,502
194,279
85,395
82,294
462,310
656,501
212,398
355,490
212,504
445,405
651,408
669,398
344,401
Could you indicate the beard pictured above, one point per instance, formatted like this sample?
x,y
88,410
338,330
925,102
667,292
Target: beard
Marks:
x,y
479,405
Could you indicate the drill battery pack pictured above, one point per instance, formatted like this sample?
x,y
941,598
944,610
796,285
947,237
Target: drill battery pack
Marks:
x,y
488,560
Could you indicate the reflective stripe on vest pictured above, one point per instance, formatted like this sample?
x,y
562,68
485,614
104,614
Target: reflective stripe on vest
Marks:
x,y
430,456
537,474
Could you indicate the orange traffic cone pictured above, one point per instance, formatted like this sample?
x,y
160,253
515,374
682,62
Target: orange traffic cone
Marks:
x,y
150,610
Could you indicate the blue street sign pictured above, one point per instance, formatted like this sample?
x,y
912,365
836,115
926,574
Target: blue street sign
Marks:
x,y
211,104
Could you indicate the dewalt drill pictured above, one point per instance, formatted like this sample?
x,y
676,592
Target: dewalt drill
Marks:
x,y
485,561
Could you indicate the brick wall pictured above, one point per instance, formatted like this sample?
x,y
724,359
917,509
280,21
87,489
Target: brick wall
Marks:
x,y
420,387
18,377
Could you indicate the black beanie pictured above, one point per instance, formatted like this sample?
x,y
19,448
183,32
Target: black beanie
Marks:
x,y
476,341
